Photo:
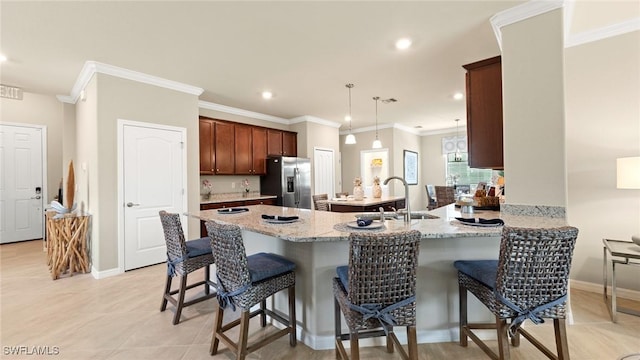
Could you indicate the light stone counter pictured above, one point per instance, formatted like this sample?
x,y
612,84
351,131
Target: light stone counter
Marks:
x,y
317,249
316,226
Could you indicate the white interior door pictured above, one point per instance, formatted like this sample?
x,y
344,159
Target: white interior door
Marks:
x,y
153,177
324,172
21,183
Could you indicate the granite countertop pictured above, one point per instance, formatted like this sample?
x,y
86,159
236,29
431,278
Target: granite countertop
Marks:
x,y
219,198
367,201
315,225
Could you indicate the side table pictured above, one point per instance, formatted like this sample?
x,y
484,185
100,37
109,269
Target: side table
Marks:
x,y
623,253
67,244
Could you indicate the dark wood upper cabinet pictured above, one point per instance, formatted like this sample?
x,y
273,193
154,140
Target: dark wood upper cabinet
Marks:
x,y
484,113
244,151
229,148
259,142
274,142
283,143
251,150
289,144
207,129
225,150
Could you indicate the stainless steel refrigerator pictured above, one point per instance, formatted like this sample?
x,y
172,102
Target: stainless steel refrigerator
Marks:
x,y
288,178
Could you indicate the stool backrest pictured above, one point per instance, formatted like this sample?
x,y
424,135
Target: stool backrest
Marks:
x,y
382,267
173,235
229,255
534,264
445,195
320,206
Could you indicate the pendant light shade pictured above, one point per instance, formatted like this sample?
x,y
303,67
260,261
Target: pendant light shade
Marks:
x,y
350,139
377,144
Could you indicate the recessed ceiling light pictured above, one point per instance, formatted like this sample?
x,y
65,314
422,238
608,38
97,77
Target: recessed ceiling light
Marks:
x,y
458,96
3,58
403,44
267,95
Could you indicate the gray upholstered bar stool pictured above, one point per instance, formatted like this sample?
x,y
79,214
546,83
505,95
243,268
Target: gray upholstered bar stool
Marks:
x,y
184,257
376,291
527,282
245,281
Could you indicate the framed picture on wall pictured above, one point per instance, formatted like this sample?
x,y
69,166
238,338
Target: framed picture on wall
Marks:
x,y
411,167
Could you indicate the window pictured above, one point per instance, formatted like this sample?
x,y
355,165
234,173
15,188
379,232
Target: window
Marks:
x,y
459,172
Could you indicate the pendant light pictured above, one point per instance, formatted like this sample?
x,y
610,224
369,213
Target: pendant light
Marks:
x,y
377,144
457,157
350,139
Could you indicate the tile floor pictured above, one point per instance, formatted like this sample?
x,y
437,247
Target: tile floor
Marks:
x,y
119,318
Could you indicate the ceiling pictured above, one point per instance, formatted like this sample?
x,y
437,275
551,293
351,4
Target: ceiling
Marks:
x,y
304,52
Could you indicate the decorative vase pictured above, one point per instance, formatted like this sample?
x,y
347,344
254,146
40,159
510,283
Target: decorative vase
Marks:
x,y
358,193
377,191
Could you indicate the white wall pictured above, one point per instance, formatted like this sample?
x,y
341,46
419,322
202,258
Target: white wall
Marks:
x,y
533,106
109,99
603,123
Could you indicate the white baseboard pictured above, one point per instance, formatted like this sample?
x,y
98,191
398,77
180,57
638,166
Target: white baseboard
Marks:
x,y
598,288
104,274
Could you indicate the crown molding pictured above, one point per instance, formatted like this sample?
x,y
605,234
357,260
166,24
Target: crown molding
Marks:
x,y
236,111
92,67
603,32
406,129
521,12
313,119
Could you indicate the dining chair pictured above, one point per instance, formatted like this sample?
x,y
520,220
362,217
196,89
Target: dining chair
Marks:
x,y
377,291
445,195
184,257
245,281
529,281
320,202
431,197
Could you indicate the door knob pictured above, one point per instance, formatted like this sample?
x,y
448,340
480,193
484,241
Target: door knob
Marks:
x,y
130,204
36,197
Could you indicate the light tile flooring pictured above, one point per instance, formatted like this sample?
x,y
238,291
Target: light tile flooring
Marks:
x,y
119,318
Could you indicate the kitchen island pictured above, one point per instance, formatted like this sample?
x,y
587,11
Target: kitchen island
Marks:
x,y
318,243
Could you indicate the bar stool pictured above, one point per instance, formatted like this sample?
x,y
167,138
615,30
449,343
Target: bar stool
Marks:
x,y
528,281
184,257
377,290
445,195
320,202
245,281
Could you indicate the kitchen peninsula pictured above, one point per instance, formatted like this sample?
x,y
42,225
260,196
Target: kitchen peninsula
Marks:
x,y
317,243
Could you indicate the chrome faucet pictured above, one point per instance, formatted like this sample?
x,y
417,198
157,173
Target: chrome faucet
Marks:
x,y
407,214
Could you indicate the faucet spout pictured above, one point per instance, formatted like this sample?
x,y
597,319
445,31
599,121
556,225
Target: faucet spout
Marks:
x,y
407,214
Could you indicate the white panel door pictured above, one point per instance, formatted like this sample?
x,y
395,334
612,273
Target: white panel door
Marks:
x,y
21,183
324,172
153,169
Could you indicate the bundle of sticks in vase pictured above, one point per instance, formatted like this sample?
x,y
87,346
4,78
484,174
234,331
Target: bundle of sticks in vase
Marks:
x,y
67,235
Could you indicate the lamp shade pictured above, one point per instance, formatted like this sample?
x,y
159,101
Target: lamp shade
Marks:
x,y
377,144
350,139
628,172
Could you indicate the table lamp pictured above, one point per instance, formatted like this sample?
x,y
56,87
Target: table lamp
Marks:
x,y
628,177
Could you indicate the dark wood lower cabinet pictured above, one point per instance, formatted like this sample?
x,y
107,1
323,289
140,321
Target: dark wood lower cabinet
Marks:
x,y
387,206
228,204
